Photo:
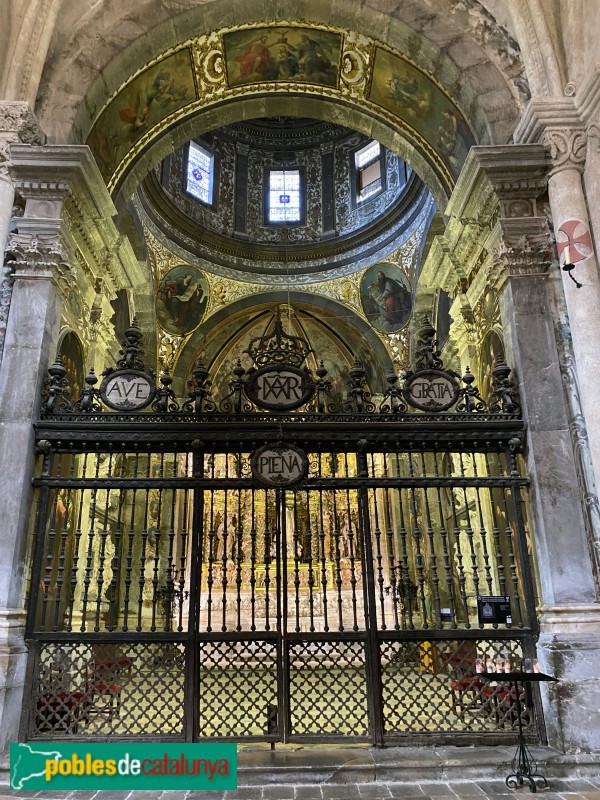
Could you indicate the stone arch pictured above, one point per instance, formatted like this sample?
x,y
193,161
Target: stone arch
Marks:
x,y
215,333
438,42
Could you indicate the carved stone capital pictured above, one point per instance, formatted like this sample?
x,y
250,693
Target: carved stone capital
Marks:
x,y
17,124
593,135
39,256
567,148
524,252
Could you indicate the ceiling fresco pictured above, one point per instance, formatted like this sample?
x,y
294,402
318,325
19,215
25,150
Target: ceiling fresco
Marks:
x,y
321,61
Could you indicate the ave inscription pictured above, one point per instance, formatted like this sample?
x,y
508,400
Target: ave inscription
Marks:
x,y
279,465
127,390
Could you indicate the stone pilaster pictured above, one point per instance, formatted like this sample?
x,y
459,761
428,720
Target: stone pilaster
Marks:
x,y
498,235
65,243
17,124
33,323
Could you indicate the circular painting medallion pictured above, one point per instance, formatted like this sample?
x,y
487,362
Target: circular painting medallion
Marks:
x,y
181,300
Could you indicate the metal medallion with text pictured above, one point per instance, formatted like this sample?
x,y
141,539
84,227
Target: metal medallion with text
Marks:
x,y
279,465
279,387
431,390
127,390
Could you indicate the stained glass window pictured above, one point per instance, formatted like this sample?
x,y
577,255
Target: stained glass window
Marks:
x,y
200,173
285,197
368,162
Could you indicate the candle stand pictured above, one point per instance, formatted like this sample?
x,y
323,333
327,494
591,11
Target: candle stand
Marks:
x,y
523,764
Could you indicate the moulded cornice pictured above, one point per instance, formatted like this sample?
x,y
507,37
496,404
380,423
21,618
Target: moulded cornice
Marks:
x,y
542,114
515,171
68,176
588,97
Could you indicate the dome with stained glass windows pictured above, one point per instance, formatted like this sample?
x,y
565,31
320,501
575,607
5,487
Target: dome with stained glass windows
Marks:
x,y
268,198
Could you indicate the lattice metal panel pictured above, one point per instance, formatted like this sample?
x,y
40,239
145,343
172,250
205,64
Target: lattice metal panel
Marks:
x,y
94,689
238,688
432,686
328,688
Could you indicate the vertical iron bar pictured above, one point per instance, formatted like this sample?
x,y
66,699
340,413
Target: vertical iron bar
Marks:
x,y
373,659
38,551
130,542
338,569
445,548
311,577
417,536
75,562
469,530
377,536
253,561
142,562
193,655
296,545
185,533
483,534
323,556
116,560
283,682
406,581
62,554
104,533
459,562
508,536
268,557
239,557
433,573
496,533
90,549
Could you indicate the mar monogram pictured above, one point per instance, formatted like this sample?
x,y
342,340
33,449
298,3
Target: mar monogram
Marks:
x,y
279,387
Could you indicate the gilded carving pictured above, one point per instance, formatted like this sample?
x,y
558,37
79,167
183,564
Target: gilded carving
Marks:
x,y
169,348
356,60
280,56
209,64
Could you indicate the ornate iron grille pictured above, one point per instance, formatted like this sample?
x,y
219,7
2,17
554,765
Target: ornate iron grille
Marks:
x,y
176,593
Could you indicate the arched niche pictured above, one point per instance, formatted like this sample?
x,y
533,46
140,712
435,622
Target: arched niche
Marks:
x,y
71,351
336,333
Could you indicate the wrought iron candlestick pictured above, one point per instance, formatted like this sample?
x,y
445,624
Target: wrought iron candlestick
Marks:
x,y
523,764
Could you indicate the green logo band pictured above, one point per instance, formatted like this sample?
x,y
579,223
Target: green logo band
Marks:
x,y
52,765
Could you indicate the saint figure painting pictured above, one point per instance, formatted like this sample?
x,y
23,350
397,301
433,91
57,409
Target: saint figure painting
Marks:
x,y
386,297
181,299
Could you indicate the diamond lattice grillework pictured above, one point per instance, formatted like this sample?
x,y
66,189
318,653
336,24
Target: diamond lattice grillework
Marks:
x,y
328,689
121,689
433,686
238,688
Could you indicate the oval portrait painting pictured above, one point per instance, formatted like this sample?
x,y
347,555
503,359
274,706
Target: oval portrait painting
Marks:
x,y
386,297
181,299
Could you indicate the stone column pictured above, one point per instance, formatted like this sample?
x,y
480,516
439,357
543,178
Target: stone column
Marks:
x,y
567,202
569,643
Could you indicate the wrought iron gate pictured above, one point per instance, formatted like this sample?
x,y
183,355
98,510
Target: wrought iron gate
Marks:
x,y
176,594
